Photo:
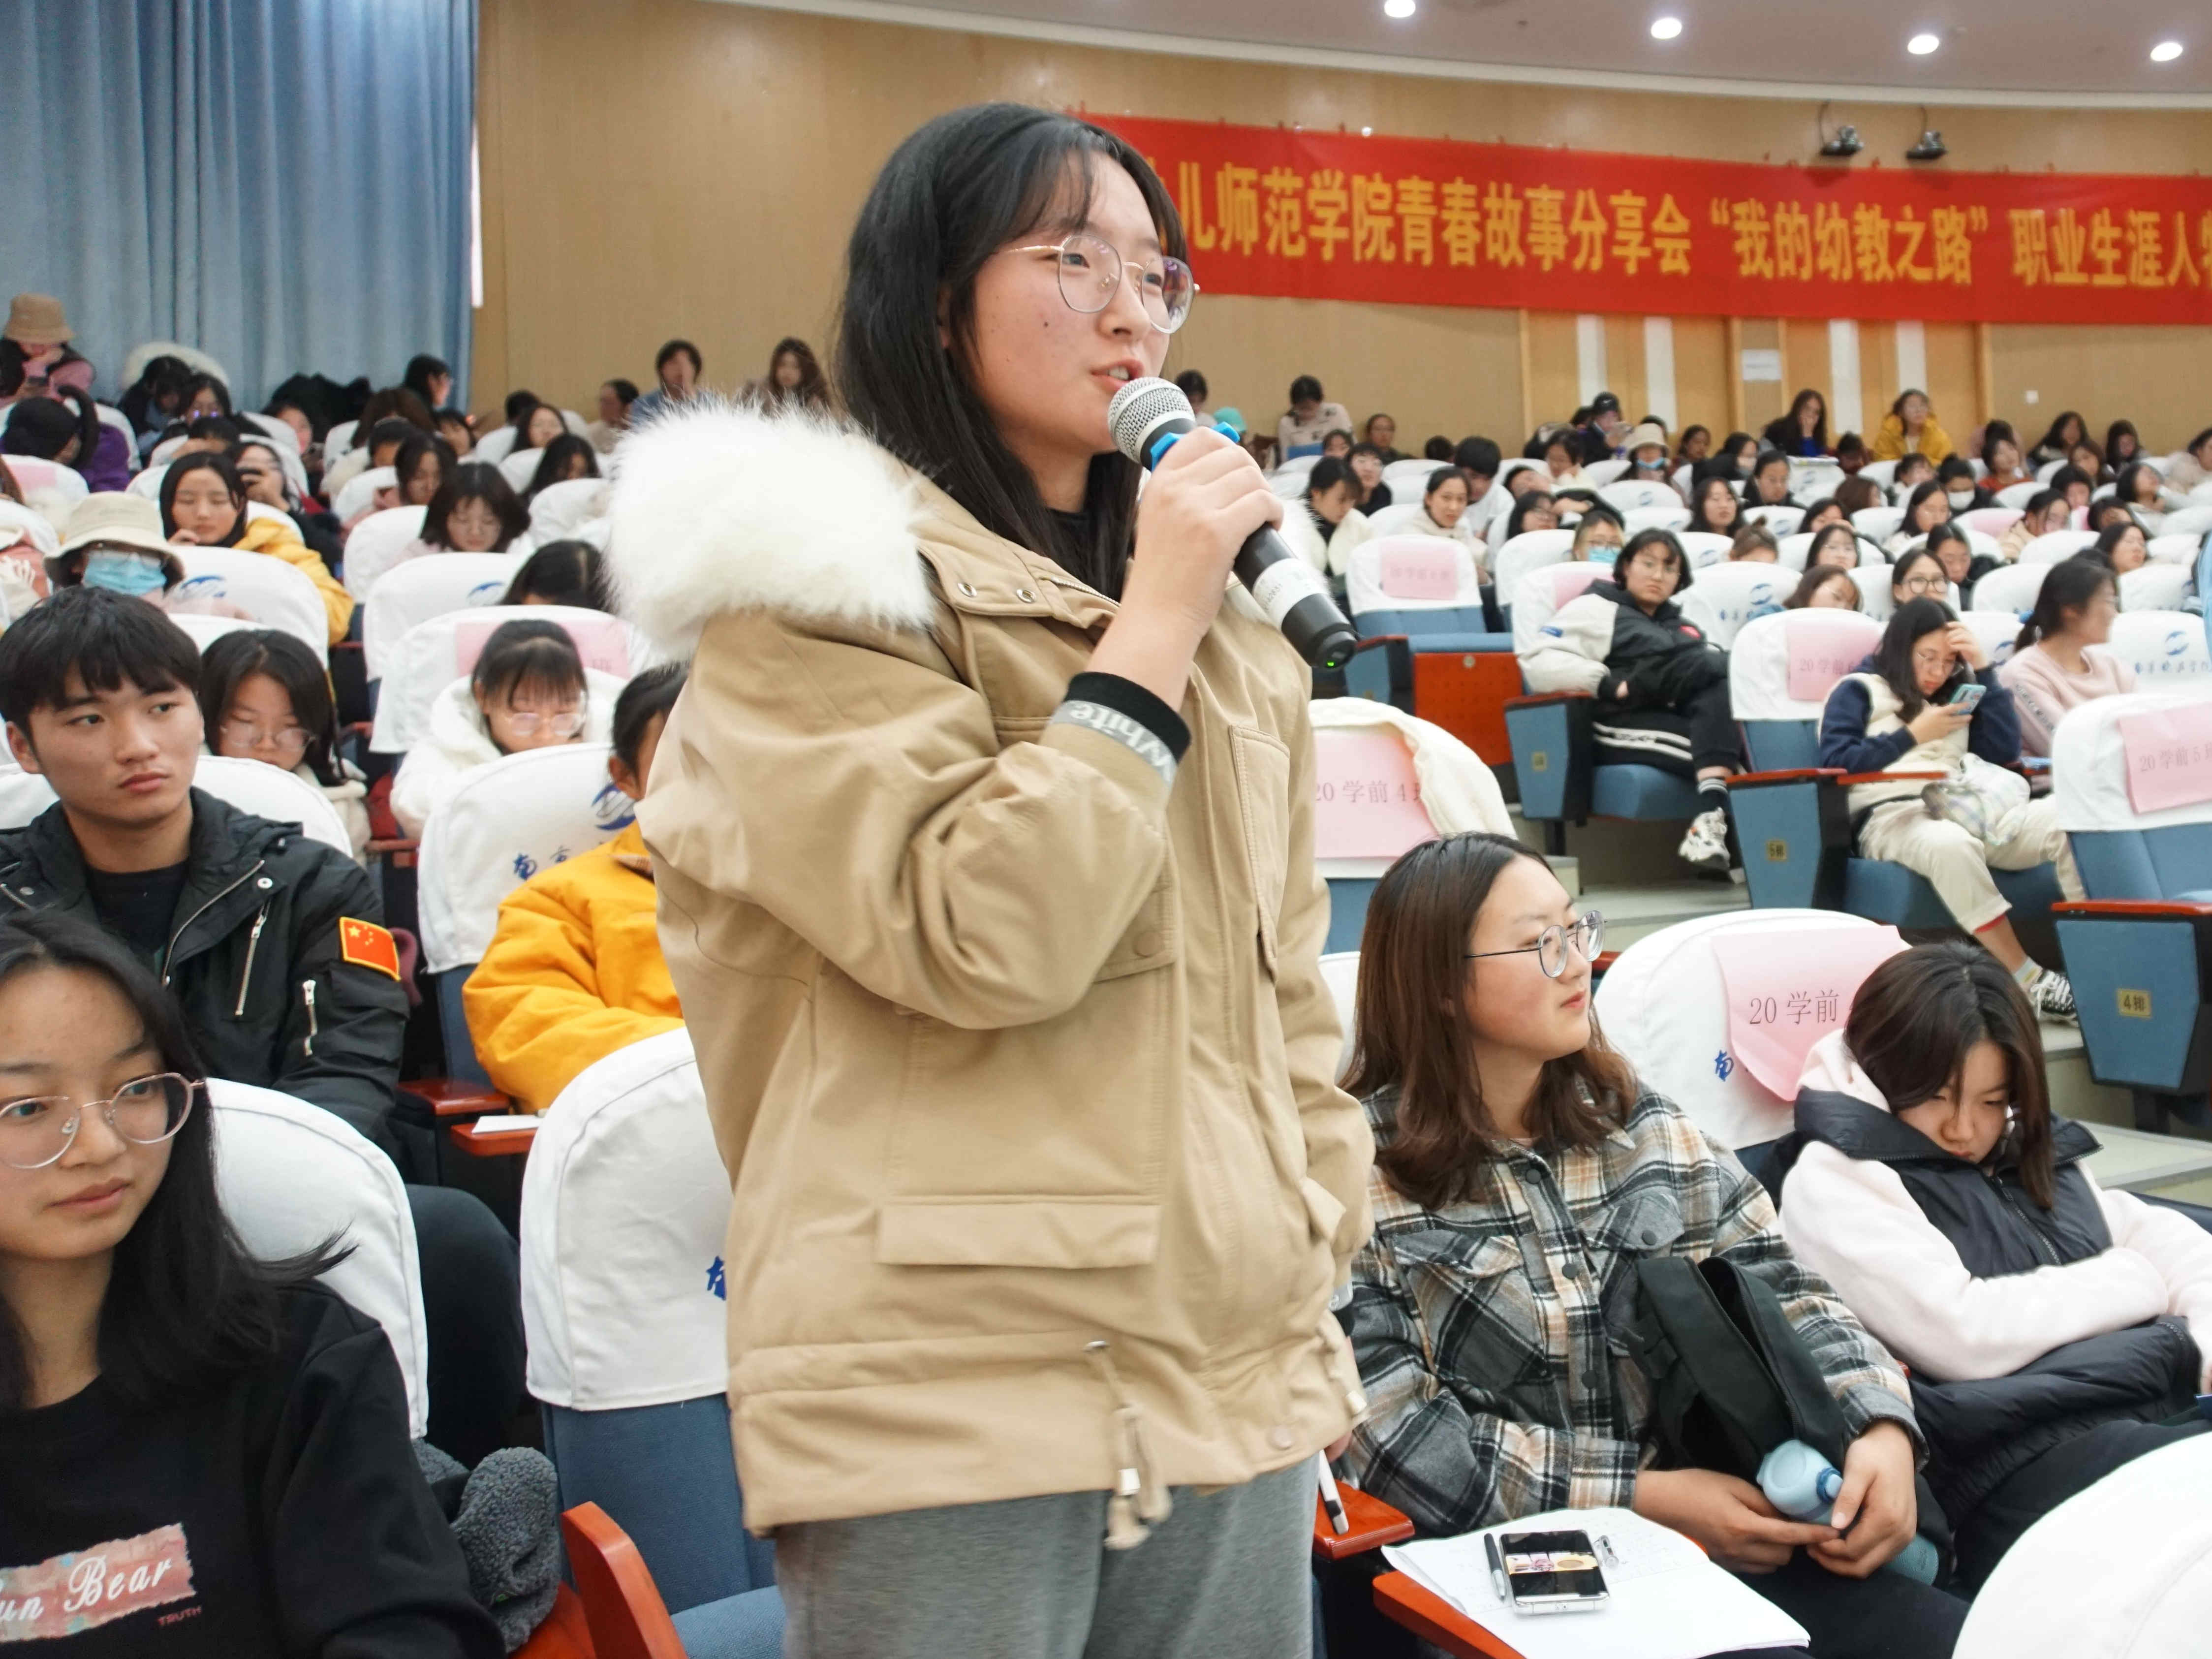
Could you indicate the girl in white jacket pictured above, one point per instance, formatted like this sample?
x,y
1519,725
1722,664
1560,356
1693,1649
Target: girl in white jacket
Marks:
x,y
529,691
2052,1327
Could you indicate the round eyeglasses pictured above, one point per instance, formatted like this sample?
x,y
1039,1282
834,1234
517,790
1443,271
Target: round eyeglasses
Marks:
x,y
291,741
1587,930
36,1132
563,723
1091,271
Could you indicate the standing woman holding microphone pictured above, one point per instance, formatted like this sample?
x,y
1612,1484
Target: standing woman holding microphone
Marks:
x,y
983,840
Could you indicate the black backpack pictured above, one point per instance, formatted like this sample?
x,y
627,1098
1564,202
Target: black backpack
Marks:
x,y
1731,1379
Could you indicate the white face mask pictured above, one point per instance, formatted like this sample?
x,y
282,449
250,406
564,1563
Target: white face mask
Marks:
x,y
1961,497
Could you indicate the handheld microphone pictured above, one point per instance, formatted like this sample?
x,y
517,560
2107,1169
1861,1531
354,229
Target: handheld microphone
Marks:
x,y
1146,417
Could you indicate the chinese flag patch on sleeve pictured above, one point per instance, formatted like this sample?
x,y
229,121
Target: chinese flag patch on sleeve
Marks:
x,y
368,945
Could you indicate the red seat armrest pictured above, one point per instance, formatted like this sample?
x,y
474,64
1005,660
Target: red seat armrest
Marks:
x,y
1800,775
1538,699
450,1098
1852,780
2139,908
1373,1523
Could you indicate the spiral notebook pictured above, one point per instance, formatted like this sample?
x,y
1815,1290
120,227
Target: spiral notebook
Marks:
x,y
1666,1600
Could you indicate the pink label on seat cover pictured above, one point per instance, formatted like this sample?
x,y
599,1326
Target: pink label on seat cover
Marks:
x,y
601,641
2168,753
1367,801
1824,647
1569,581
1419,568
1787,989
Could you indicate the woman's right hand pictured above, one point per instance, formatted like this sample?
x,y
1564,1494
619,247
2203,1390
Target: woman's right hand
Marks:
x,y
1730,1518
1938,720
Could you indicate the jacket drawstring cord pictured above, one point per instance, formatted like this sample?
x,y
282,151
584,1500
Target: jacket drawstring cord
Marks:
x,y
1140,1501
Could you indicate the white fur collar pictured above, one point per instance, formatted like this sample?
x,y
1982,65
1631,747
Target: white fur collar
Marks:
x,y
718,508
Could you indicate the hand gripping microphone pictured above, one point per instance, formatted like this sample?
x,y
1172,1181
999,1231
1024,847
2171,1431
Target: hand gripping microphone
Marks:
x,y
1145,418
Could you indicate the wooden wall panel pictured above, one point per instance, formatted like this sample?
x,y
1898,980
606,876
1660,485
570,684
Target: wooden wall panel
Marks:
x,y
1951,377
1554,371
1701,374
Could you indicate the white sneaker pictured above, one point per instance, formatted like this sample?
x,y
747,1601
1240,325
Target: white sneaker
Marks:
x,y
1705,846
2051,996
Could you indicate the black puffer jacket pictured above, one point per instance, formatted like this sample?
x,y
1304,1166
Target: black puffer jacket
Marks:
x,y
1979,1432
255,955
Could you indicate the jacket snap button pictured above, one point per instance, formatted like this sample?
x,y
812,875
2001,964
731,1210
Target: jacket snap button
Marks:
x,y
1281,1438
1025,596
967,589
1148,942
1570,1269
264,884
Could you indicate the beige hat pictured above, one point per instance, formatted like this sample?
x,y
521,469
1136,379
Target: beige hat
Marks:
x,y
36,319
1642,437
114,518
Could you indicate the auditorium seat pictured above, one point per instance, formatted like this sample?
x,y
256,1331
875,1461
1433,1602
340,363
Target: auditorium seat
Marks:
x,y
1720,600
358,494
1530,550
1641,518
251,786
2017,496
430,586
2011,588
1877,524
2154,587
434,652
1780,521
2166,650
519,467
1704,549
273,593
2057,544
61,486
1422,595
379,544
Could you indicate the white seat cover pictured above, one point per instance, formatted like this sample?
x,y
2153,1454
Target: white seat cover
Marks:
x,y
358,494
2058,545
1639,520
426,661
1377,566
625,1203
494,446
1607,471
1881,473
1830,643
1410,478
2165,648
1298,466
1532,549
274,593
1726,596
1991,521
1542,594
1704,549
1389,521
146,484
2012,588
1997,630
504,823
1880,523
290,1176
272,793
2154,587
2190,520
18,522
2089,770
1627,495
379,543
2017,496
65,485
430,585
1664,1006
2170,549
520,467
339,438
1779,519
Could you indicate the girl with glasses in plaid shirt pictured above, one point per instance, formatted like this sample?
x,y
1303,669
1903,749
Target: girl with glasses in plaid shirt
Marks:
x,y
1520,1172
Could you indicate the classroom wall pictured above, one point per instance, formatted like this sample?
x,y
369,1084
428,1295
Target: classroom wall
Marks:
x,y
660,167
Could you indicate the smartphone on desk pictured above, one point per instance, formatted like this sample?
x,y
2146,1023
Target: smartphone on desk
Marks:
x,y
1551,1572
1968,696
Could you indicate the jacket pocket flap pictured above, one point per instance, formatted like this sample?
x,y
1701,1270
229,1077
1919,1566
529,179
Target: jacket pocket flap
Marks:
x,y
1324,1208
925,1233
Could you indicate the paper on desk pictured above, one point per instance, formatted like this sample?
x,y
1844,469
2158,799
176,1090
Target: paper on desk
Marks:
x,y
506,1125
1666,1601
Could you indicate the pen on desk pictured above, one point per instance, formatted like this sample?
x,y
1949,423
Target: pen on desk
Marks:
x,y
1331,1499
1605,1548
1497,1565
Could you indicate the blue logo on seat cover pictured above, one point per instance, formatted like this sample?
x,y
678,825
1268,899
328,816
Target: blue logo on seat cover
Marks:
x,y
613,809
717,1286
1724,1063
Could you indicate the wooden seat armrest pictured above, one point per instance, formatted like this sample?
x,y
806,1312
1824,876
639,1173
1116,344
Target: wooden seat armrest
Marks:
x,y
1368,642
396,844
1408,1604
2139,908
1538,699
1800,775
1853,780
622,1604
447,1098
1373,1523
479,1142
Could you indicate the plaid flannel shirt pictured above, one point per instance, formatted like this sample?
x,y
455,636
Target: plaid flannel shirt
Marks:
x,y
1490,1335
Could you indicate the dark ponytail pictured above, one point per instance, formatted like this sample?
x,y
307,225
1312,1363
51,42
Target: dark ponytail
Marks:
x,y
2071,585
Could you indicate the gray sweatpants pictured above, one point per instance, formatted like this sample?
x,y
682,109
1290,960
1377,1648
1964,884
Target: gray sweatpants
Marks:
x,y
1225,1576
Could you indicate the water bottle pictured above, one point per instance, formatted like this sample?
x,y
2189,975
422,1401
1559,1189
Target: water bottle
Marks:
x,y
1804,1485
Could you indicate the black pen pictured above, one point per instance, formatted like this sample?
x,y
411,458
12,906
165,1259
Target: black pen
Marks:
x,y
1497,1565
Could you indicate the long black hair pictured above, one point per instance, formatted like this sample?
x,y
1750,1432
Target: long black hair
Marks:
x,y
203,461
2069,585
475,481
230,661
420,371
562,572
952,195
186,1302
553,462
1892,658
41,428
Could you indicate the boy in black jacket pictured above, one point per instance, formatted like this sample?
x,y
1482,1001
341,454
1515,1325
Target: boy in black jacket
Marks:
x,y
271,942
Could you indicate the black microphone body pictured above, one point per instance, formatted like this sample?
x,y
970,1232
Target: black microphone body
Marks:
x,y
1146,418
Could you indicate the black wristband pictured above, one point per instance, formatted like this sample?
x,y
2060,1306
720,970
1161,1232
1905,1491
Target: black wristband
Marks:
x,y
1127,697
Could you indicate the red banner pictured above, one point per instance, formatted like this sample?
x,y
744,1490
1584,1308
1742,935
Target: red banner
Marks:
x,y
1432,221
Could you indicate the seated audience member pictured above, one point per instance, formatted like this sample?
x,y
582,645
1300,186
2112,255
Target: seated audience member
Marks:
x,y
2193,467
1598,432
1714,508
113,540
1852,455
1382,432
1910,428
1478,460
1739,450
677,367
1912,472
2091,460
394,402
1193,385
2053,667
66,428
160,1390
423,463
1918,575
1438,448
476,510
2076,485
1895,714
528,690
567,458
1835,545
429,378
1645,447
574,970
1562,457
1532,509
2046,514
1804,430
1960,487
292,986
562,572
2067,431
537,427
2001,456
2141,489
1331,524
1367,465
269,699
1825,587
1661,688
1598,535
2105,512
1962,566
795,379
1506,1130
203,505
2123,445
615,398
2121,546
1769,483
1927,507
152,400
1696,445
454,427
2052,1327
1857,494
1310,418
1337,446
261,475
210,435
205,394
1443,507
1756,543
296,416
1819,514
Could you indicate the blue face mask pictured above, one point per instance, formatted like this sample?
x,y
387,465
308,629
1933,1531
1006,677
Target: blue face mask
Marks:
x,y
1604,555
135,573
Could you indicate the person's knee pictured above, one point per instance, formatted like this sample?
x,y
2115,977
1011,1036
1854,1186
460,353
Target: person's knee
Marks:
x,y
457,1236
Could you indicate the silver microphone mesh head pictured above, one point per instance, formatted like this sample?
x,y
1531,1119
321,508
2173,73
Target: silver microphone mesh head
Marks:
x,y
1139,407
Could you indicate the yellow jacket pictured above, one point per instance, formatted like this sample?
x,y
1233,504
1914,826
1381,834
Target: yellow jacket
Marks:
x,y
1889,443
573,972
280,539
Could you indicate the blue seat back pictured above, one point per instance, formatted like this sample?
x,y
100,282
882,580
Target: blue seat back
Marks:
x,y
462,1065
1782,745
2139,994
1444,619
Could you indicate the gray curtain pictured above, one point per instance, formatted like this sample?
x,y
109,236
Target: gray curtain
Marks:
x,y
283,183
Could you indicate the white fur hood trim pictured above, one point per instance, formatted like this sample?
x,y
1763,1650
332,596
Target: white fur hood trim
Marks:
x,y
718,508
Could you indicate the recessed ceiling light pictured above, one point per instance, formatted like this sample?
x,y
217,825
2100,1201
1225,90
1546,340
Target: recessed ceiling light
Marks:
x,y
2165,51
1397,8
1920,44
1666,28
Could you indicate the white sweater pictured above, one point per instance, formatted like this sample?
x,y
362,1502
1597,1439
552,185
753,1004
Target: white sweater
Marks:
x,y
1852,1221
